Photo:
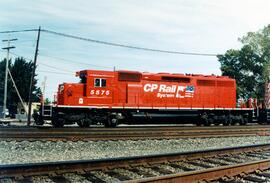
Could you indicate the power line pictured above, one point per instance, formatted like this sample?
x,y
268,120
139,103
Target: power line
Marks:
x,y
18,31
56,68
72,61
126,46
12,53
61,59
57,58
53,72
114,44
44,71
25,40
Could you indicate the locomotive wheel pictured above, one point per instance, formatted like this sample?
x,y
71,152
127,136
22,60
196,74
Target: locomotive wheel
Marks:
x,y
205,119
79,123
242,121
114,122
233,123
217,120
111,122
198,122
233,120
216,123
210,121
206,122
245,120
227,120
39,120
58,123
84,123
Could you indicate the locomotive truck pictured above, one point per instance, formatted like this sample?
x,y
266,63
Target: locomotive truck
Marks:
x,y
131,97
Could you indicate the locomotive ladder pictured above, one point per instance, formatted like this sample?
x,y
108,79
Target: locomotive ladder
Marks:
x,y
47,110
255,114
268,115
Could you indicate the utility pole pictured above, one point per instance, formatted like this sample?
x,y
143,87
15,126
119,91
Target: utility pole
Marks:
x,y
44,87
6,73
32,81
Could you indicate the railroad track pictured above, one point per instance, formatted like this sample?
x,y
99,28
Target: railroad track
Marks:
x,y
247,163
124,133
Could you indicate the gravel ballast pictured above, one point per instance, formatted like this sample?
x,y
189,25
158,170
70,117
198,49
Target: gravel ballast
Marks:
x,y
25,152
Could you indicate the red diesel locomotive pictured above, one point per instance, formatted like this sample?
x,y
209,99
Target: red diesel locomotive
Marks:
x,y
114,97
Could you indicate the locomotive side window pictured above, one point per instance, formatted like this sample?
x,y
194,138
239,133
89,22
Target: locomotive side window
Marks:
x,y
100,82
97,82
103,82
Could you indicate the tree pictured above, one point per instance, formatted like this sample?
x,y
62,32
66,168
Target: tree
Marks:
x,y
246,67
47,101
260,43
250,65
21,72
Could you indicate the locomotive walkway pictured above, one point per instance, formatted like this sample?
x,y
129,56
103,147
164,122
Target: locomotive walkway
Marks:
x,y
127,133
247,163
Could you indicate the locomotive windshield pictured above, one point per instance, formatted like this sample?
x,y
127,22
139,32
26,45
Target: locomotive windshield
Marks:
x,y
83,78
100,82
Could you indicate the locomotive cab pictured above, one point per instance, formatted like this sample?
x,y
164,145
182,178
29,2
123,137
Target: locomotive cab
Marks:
x,y
93,89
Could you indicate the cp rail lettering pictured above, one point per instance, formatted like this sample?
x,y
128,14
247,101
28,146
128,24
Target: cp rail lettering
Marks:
x,y
170,91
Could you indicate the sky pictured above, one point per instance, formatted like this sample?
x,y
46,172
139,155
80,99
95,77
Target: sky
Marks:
x,y
201,26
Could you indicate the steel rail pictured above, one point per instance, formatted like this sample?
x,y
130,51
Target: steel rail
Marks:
x,y
23,170
209,174
123,133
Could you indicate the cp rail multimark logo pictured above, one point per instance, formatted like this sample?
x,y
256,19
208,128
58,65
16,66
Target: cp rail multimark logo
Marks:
x,y
170,91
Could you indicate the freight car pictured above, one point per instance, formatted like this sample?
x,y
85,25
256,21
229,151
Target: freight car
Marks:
x,y
130,97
